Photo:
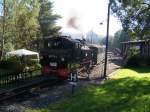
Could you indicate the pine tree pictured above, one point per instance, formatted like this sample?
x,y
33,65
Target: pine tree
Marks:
x,y
47,19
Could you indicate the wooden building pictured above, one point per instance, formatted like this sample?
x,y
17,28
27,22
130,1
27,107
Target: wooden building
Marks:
x,y
142,45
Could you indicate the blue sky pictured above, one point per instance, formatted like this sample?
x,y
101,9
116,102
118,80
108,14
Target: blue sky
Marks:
x,y
1,7
89,13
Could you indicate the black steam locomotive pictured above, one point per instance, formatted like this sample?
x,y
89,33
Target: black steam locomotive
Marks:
x,y
60,55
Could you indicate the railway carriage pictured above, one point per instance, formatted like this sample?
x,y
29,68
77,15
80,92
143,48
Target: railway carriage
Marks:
x,y
97,53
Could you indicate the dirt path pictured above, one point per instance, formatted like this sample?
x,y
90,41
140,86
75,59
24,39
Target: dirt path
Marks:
x,y
114,63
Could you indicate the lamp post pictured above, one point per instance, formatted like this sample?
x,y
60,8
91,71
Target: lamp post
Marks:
x,y
107,36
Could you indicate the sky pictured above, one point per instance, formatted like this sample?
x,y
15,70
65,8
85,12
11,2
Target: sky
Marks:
x,y
89,15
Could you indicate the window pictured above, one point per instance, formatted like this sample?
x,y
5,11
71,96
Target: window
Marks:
x,y
77,45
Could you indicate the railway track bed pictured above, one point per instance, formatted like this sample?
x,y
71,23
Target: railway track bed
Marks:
x,y
20,88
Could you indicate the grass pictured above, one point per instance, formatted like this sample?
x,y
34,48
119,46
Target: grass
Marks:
x,y
126,91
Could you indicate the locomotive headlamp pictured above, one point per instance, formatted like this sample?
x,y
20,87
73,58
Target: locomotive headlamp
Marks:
x,y
62,59
86,54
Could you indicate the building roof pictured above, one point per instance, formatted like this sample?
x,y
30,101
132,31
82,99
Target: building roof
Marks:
x,y
22,52
135,41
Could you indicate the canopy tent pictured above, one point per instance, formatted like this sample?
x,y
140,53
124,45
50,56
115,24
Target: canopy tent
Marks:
x,y
22,52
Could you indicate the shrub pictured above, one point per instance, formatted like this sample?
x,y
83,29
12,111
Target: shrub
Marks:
x,y
12,63
19,64
132,61
147,59
133,58
37,66
31,62
137,61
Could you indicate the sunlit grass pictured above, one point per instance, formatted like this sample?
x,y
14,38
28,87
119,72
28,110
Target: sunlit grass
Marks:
x,y
128,90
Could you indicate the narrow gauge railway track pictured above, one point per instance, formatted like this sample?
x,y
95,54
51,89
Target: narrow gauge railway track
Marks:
x,y
97,70
37,83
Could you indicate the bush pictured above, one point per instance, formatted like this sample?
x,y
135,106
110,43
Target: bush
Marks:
x,y
147,59
137,61
133,58
31,62
12,63
37,66
132,61
19,64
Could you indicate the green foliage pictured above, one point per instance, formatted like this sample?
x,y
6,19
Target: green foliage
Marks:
x,y
133,58
137,61
37,66
47,19
133,61
120,36
31,62
21,24
134,16
24,23
12,63
20,64
27,22
110,41
8,47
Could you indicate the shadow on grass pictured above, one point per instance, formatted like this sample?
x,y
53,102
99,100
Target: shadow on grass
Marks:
x,y
117,95
145,69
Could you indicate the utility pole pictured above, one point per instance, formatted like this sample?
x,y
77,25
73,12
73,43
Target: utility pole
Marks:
x,y
3,35
107,37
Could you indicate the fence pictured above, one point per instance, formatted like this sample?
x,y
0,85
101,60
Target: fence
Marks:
x,y
7,78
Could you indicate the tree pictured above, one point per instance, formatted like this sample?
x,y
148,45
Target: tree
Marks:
x,y
134,16
27,22
47,19
120,36
24,22
110,42
21,23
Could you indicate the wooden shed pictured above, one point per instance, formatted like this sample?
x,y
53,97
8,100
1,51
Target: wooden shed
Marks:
x,y
142,45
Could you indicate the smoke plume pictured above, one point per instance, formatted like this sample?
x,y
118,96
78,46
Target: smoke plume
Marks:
x,y
73,22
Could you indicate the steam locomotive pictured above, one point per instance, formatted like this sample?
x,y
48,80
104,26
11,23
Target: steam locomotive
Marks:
x,y
62,55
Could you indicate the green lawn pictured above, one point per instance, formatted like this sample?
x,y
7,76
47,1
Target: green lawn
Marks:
x,y
126,91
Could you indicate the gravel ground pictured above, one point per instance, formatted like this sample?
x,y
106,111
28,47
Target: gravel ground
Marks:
x,y
50,95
